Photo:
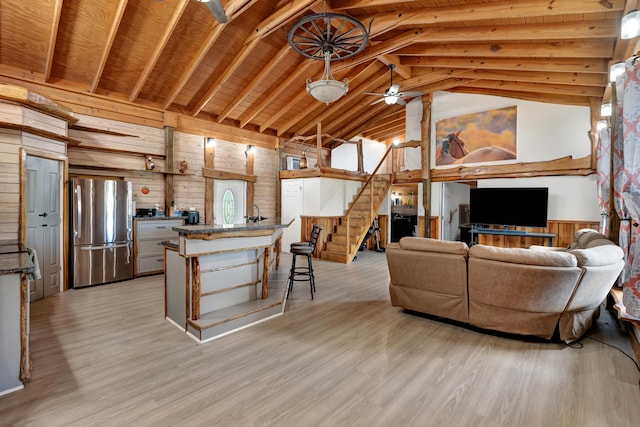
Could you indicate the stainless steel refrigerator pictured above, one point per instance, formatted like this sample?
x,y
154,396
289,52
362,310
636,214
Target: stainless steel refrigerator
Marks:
x,y
101,231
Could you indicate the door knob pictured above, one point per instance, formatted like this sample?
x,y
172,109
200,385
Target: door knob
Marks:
x,y
43,214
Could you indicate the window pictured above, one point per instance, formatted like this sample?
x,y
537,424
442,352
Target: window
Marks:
x,y
228,207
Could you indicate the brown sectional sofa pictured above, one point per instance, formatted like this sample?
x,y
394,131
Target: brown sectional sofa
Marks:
x,y
533,291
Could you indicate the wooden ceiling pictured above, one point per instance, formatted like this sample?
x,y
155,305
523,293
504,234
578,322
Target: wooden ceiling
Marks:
x,y
173,55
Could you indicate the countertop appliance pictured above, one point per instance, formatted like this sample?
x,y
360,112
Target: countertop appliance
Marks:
x,y
101,231
145,212
193,217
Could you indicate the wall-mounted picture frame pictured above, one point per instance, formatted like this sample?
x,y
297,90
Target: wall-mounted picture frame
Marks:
x,y
486,136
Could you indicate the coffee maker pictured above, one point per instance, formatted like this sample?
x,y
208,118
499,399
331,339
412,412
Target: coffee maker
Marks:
x,y
192,217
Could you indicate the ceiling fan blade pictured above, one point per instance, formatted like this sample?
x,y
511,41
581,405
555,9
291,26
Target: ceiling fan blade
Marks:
x,y
401,101
393,90
217,10
374,94
377,101
411,94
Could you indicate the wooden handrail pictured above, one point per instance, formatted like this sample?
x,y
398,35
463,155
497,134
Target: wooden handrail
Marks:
x,y
368,181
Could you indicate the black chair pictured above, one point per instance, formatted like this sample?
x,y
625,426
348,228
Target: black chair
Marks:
x,y
304,273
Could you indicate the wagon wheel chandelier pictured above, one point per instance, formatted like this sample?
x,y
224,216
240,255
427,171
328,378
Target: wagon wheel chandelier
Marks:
x,y
328,37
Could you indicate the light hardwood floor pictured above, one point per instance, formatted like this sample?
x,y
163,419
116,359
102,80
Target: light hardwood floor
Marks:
x,y
105,356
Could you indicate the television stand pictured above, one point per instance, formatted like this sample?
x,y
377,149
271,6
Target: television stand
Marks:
x,y
475,231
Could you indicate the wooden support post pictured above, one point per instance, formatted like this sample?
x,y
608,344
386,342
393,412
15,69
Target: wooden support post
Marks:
x,y
319,144
209,156
195,288
278,251
594,105
25,361
360,157
265,273
169,199
250,185
278,181
425,148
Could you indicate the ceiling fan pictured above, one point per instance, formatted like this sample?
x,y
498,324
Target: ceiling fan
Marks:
x,y
393,95
216,9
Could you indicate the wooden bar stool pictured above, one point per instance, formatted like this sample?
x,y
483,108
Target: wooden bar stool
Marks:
x,y
304,273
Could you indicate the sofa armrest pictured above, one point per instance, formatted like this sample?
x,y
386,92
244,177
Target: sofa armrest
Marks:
x,y
605,254
548,248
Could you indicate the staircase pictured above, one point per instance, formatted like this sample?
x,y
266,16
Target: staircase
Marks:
x,y
347,237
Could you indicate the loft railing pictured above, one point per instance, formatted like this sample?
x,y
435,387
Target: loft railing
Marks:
x,y
370,188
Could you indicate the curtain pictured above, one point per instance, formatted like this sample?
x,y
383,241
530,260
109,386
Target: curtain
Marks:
x,y
628,127
604,172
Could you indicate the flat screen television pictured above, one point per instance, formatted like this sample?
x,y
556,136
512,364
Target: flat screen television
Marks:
x,y
525,207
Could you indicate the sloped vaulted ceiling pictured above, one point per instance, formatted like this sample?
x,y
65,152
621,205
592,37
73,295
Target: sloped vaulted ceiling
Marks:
x,y
173,55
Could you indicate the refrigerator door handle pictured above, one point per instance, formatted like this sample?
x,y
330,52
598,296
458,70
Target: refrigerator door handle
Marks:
x,y
101,247
78,213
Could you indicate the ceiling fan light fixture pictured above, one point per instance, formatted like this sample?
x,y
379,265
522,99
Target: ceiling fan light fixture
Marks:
x,y
390,99
630,26
605,110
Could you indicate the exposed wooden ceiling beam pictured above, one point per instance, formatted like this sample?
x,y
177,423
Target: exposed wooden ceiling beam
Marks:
x,y
301,69
246,50
235,8
204,48
584,91
566,49
402,70
273,118
601,29
289,11
359,126
388,121
53,37
507,10
383,48
529,96
273,64
388,128
113,31
564,65
155,55
578,79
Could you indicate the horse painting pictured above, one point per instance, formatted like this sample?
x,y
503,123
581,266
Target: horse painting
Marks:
x,y
451,150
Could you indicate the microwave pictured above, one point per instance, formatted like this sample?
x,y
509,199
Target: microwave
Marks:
x,y
293,163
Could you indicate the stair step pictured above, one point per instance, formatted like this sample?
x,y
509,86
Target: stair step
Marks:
x,y
341,238
339,247
342,230
223,321
333,256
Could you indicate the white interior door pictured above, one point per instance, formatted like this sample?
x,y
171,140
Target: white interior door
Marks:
x,y
292,208
43,190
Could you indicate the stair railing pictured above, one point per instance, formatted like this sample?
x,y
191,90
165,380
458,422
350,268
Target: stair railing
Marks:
x,y
347,215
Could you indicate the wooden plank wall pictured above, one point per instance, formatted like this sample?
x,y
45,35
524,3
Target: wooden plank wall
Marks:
x,y
128,164
265,168
10,142
189,189
563,229
327,223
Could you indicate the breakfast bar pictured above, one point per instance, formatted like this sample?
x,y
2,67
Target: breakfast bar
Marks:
x,y
217,277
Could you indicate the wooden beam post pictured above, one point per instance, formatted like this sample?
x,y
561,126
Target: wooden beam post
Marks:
x,y
360,156
209,156
278,181
613,220
250,155
265,272
426,162
319,144
169,200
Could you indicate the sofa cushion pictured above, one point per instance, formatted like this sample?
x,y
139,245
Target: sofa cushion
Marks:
x,y
433,245
604,254
524,256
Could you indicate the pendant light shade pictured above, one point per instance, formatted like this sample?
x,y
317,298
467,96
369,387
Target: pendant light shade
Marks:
x,y
630,27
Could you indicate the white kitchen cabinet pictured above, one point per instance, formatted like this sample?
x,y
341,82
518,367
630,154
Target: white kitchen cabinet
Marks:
x,y
149,235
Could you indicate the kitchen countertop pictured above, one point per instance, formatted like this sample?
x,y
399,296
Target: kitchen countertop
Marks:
x,y
266,224
14,258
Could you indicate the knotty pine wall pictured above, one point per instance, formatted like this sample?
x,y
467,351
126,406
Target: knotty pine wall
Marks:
x,y
12,141
101,154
